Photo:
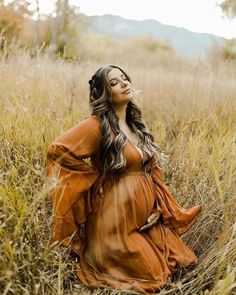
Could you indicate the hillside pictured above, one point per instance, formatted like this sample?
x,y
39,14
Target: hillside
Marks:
x,y
185,42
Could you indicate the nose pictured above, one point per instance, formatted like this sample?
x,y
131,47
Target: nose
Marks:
x,y
124,83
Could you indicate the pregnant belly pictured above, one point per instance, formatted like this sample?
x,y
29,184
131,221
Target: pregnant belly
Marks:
x,y
127,204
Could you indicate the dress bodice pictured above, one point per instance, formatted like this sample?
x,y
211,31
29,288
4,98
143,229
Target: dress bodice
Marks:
x,y
134,157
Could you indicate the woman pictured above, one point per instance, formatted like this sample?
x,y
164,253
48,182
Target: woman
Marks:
x,y
109,202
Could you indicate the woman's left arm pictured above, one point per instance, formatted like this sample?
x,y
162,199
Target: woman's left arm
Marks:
x,y
172,213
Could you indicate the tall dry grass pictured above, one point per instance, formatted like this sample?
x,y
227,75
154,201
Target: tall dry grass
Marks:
x,y
189,106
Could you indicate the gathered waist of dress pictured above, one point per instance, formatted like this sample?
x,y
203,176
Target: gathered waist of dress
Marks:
x,y
137,172
112,178
127,173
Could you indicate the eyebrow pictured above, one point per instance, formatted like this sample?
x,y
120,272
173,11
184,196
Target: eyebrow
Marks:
x,y
116,78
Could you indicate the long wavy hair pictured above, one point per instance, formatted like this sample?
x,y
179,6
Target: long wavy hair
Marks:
x,y
113,140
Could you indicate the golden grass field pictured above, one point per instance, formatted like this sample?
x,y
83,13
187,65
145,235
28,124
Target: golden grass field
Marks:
x,y
190,106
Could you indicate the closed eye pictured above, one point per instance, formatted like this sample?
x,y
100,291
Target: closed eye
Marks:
x,y
114,82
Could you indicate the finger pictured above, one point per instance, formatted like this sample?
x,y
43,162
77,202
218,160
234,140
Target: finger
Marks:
x,y
155,220
145,227
142,228
154,216
150,224
150,218
158,215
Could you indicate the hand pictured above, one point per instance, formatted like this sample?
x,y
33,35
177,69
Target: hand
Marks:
x,y
152,219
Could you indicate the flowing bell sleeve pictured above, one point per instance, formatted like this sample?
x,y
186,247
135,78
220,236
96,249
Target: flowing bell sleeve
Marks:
x,y
70,179
173,215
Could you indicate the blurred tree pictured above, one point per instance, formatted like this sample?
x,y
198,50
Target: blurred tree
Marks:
x,y
13,16
37,35
228,51
64,29
229,8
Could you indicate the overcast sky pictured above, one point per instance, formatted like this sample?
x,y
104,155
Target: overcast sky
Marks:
x,y
195,15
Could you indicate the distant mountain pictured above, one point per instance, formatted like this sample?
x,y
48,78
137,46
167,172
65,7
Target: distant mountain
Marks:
x,y
185,42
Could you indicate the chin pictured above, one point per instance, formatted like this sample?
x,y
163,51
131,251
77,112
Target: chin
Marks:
x,y
130,96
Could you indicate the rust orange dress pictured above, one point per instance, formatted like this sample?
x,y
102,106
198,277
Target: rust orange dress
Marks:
x,y
114,252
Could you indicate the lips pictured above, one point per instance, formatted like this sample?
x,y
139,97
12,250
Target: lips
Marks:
x,y
126,91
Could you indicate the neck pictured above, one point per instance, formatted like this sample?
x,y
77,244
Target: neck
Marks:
x,y
121,112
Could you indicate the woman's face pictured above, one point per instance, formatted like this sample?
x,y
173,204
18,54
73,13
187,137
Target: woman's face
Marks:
x,y
121,89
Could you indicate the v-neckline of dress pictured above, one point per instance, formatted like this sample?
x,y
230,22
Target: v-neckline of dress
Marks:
x,y
136,147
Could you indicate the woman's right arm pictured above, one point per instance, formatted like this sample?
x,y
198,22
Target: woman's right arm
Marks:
x,y
70,178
